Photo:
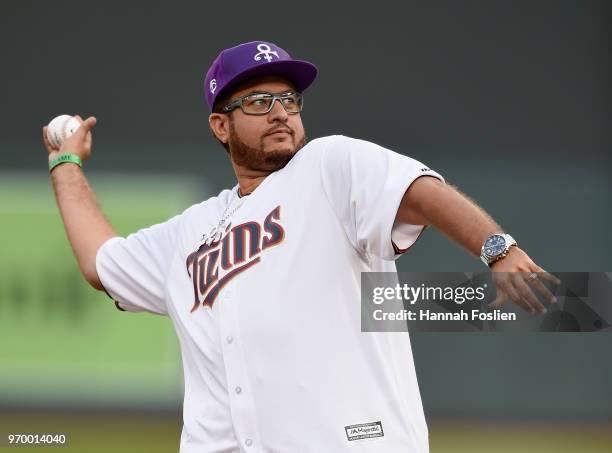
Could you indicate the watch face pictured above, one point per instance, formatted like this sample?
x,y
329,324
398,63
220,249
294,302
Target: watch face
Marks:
x,y
495,245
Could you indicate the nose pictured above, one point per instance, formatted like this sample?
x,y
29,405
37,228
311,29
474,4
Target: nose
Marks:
x,y
278,112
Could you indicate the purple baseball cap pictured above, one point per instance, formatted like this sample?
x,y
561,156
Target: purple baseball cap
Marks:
x,y
254,59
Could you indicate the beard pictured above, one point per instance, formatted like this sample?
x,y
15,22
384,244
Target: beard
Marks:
x,y
259,158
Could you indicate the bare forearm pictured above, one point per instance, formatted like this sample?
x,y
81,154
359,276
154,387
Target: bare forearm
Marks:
x,y
431,202
428,201
86,227
461,219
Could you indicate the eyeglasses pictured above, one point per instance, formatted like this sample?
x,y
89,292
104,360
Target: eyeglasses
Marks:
x,y
261,102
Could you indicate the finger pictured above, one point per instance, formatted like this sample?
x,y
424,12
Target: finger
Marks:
x,y
511,291
546,275
537,284
89,123
525,291
549,277
86,125
499,301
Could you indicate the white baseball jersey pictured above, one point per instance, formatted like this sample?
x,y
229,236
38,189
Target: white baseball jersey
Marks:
x,y
268,312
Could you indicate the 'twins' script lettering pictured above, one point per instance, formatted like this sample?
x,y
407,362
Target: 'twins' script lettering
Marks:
x,y
236,251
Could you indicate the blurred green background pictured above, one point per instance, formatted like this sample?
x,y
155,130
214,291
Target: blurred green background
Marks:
x,y
61,338
509,101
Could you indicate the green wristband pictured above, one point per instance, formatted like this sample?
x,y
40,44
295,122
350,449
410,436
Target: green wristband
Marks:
x,y
62,159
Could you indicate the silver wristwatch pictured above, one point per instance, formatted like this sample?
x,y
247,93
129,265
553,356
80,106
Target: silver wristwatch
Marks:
x,y
495,247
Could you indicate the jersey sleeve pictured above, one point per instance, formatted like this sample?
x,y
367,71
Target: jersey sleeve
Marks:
x,y
133,269
365,183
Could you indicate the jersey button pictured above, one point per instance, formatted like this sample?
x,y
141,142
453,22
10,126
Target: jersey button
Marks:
x,y
229,339
248,442
238,390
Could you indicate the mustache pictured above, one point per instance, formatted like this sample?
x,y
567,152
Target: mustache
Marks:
x,y
279,129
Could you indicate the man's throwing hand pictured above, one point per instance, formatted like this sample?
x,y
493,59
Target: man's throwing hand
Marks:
x,y
78,143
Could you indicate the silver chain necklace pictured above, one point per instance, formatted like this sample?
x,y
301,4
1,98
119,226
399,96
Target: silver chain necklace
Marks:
x,y
224,224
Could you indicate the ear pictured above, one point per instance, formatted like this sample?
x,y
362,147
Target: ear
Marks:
x,y
219,124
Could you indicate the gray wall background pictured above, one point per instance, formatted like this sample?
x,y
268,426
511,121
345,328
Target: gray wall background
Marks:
x,y
510,101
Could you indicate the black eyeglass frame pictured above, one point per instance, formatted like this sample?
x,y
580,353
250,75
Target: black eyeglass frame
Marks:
x,y
239,102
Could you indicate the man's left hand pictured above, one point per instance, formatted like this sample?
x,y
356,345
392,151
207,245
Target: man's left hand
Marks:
x,y
515,276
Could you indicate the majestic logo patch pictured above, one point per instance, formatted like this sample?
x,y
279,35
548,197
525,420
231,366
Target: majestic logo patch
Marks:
x,y
364,431
212,266
266,51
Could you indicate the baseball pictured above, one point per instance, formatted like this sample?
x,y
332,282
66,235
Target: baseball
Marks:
x,y
60,128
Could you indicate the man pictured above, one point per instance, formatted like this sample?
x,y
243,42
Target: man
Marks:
x,y
262,281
